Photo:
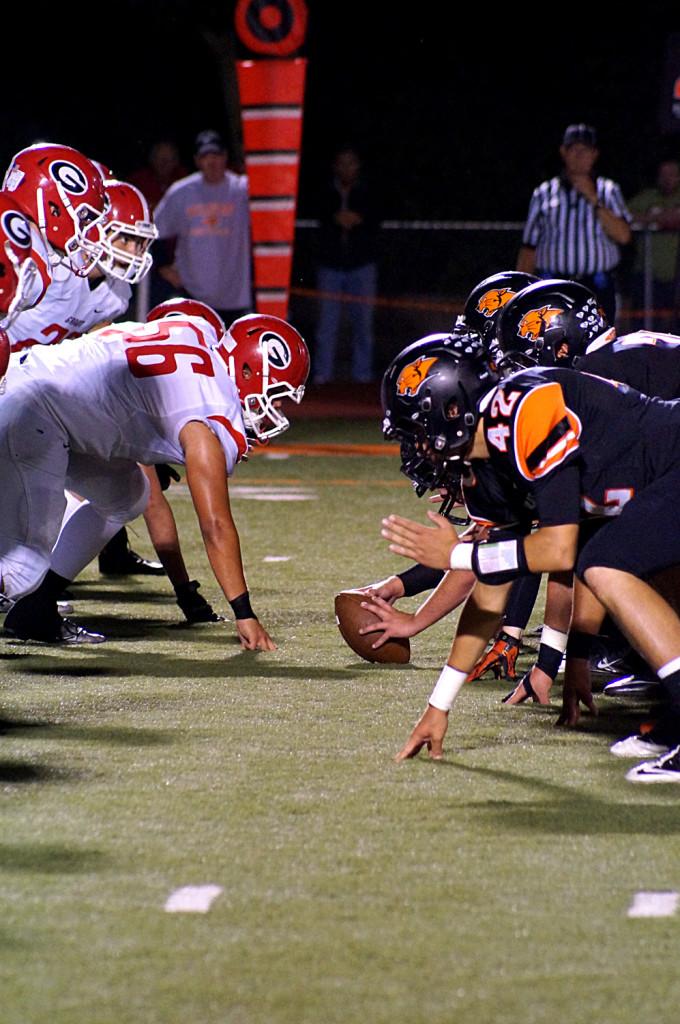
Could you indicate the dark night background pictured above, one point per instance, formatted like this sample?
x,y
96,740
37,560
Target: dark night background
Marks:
x,y
454,120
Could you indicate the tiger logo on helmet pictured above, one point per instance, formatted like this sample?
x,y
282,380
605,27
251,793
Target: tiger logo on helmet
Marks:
x,y
536,321
493,300
413,376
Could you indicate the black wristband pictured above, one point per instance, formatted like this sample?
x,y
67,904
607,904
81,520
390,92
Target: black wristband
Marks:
x,y
240,606
549,660
579,645
419,578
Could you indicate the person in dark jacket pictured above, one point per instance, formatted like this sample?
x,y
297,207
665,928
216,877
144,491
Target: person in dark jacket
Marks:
x,y
347,268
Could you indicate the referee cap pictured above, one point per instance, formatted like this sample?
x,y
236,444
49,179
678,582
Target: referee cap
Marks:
x,y
583,133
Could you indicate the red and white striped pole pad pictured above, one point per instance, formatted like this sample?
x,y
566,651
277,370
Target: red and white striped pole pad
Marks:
x,y
272,94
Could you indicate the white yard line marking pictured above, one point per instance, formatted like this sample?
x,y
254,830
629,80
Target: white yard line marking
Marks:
x,y
276,558
277,456
272,493
654,904
192,899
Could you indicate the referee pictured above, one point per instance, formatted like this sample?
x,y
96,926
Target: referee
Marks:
x,y
577,222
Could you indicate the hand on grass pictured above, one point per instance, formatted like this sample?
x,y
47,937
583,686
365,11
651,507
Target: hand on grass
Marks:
x,y
577,691
253,636
429,731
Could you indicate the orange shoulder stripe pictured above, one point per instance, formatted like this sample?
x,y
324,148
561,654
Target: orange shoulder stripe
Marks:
x,y
539,415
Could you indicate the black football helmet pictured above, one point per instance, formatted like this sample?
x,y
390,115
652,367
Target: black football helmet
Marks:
x,y
550,323
488,298
430,396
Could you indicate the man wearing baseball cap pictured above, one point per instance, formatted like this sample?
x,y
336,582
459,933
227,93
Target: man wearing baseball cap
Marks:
x,y
577,222
207,215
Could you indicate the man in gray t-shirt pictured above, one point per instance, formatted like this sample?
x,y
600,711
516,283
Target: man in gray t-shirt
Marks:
x,y
207,214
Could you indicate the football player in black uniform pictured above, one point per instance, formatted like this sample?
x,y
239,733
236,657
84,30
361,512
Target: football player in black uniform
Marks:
x,y
578,444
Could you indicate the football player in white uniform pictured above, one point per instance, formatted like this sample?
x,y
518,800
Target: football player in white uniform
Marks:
x,y
62,192
82,416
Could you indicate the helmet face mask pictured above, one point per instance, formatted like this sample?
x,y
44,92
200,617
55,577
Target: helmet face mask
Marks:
x,y
128,221
550,323
63,193
430,395
269,362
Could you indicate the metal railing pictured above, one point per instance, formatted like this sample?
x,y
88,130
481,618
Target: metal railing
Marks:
x,y
410,283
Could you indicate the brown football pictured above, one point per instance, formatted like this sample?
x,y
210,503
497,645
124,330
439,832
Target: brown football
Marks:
x,y
351,617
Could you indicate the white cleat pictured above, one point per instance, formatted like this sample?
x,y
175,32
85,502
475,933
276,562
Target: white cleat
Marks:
x,y
639,745
665,769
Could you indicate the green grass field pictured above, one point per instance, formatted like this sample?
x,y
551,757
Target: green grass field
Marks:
x,y
490,887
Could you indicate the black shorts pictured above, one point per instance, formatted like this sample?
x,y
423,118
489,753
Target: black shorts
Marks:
x,y
644,538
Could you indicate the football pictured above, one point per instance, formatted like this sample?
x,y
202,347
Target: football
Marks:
x,y
351,617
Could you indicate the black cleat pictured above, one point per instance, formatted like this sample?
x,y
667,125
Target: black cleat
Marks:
x,y
128,563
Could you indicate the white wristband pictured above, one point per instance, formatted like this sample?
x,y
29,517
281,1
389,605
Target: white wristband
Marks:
x,y
461,556
554,638
446,690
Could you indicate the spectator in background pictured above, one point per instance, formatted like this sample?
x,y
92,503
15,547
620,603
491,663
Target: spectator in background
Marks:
x,y
659,206
163,169
577,222
207,214
347,268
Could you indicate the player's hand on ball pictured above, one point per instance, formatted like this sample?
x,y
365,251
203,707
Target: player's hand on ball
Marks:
x,y
429,731
391,622
430,545
253,636
390,589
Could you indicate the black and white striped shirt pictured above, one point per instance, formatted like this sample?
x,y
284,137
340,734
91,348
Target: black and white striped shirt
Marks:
x,y
564,228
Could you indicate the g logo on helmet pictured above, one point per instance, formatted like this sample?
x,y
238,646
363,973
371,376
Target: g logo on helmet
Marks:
x,y
534,323
16,228
70,177
492,300
413,375
278,352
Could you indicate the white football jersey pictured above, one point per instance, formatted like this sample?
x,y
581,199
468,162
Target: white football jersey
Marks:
x,y
126,391
69,307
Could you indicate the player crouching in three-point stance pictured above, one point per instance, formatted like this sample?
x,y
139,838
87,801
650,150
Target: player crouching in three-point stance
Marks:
x,y
81,416
577,444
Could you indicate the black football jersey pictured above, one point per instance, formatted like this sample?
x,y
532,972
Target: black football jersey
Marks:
x,y
580,444
648,362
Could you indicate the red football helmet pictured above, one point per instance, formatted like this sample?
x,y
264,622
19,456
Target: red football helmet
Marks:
x,y
127,221
21,284
63,192
268,361
188,307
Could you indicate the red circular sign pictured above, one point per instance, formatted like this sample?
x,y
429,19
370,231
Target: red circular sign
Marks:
x,y
274,27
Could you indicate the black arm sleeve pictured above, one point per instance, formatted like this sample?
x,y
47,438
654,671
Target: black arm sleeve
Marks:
x,y
419,578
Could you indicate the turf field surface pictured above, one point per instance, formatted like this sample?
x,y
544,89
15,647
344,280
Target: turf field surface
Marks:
x,y
490,887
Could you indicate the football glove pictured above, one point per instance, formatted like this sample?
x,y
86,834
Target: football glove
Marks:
x,y
500,658
195,607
